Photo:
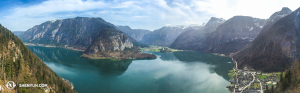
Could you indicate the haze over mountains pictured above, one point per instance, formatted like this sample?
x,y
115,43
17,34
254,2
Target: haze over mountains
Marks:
x,y
192,39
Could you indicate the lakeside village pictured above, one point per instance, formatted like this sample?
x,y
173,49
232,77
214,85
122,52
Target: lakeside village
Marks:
x,y
248,80
159,49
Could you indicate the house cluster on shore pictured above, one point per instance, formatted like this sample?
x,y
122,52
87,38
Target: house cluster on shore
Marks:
x,y
251,81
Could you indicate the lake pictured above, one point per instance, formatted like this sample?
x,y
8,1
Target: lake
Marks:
x,y
177,72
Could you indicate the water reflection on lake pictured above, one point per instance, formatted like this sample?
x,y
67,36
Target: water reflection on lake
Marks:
x,y
178,72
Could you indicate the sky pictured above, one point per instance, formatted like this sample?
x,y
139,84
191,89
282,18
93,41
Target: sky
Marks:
x,y
21,15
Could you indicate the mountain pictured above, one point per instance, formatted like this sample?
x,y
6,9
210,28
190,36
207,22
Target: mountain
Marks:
x,y
17,32
83,33
232,35
274,48
192,39
72,32
136,34
20,65
166,35
113,43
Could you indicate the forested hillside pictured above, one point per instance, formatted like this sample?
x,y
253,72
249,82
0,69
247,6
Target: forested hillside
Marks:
x,y
20,65
289,82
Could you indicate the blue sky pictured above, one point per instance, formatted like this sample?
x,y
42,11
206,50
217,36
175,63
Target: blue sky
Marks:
x,y
20,15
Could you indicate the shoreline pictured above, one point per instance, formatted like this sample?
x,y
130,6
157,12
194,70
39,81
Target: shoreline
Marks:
x,y
84,55
42,45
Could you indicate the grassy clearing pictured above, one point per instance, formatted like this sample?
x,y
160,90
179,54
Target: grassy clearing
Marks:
x,y
262,76
269,74
231,73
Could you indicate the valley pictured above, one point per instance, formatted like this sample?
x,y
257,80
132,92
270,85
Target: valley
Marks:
x,y
165,46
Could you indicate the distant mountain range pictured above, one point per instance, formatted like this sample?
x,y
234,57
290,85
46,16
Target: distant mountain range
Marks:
x,y
17,32
166,35
232,35
251,41
136,34
193,38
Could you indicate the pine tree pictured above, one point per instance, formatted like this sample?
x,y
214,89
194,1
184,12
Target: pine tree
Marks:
x,y
267,89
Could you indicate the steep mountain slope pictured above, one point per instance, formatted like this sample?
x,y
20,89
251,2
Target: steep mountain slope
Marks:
x,y
20,65
193,38
275,47
113,43
165,35
136,34
232,35
72,32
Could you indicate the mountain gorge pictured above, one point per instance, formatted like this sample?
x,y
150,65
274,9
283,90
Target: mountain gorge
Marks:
x,y
192,39
232,35
20,65
136,34
274,48
166,35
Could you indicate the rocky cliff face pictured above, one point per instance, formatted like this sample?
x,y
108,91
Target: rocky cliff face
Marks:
x,y
73,32
110,40
233,35
115,44
192,39
165,35
136,34
276,47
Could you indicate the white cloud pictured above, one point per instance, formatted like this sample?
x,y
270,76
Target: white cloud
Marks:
x,y
168,24
55,6
145,14
124,4
255,8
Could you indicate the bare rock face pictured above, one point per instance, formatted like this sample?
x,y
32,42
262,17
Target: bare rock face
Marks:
x,y
109,40
192,38
233,35
73,32
277,45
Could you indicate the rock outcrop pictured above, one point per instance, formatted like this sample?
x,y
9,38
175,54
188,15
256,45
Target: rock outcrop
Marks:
x,y
114,44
